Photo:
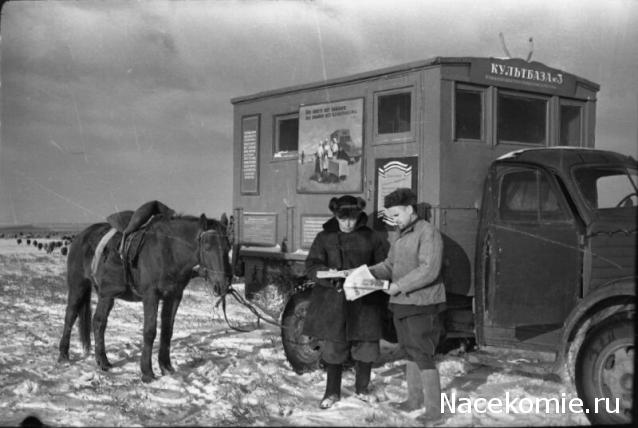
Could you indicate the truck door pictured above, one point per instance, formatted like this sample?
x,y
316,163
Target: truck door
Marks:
x,y
534,272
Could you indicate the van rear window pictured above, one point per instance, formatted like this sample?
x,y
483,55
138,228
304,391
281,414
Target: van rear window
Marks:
x,y
521,119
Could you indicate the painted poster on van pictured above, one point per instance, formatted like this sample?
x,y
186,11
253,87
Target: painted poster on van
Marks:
x,y
331,147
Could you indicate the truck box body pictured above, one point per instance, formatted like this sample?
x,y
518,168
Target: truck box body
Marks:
x,y
433,125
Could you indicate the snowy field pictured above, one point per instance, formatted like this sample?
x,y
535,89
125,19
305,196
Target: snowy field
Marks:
x,y
223,377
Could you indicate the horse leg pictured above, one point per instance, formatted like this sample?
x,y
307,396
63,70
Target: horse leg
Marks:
x,y
151,302
169,309
78,302
102,310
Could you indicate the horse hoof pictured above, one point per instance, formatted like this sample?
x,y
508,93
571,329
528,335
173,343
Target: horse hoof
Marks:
x,y
148,378
167,369
105,366
63,358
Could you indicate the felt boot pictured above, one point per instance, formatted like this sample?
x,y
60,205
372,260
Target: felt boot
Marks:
x,y
362,380
333,386
432,398
415,389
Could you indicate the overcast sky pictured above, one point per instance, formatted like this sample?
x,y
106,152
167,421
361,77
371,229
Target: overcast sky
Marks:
x,y
108,104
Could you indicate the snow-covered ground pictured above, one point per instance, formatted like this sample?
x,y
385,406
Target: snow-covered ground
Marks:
x,y
223,377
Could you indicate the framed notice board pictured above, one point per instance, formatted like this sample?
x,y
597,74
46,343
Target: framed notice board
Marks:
x,y
258,229
249,178
311,225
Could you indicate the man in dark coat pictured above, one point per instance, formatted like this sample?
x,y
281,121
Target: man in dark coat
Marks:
x,y
345,327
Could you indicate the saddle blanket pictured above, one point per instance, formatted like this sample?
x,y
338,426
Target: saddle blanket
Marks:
x,y
99,250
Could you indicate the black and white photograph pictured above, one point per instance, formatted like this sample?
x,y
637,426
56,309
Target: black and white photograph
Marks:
x,y
318,212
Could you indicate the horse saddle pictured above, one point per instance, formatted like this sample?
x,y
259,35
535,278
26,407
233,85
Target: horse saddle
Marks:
x,y
132,247
119,221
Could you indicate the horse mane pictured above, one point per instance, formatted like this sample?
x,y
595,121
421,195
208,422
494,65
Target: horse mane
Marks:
x,y
211,223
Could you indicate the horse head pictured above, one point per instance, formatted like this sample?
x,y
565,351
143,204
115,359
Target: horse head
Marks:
x,y
213,252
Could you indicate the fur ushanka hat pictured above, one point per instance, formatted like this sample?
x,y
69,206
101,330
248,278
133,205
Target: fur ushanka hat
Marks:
x,y
347,206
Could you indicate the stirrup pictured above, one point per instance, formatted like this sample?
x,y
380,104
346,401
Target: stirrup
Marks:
x,y
329,401
121,248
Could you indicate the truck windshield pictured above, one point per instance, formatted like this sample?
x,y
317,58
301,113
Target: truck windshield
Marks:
x,y
607,186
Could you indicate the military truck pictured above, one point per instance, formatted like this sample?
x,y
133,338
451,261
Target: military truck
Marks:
x,y
539,227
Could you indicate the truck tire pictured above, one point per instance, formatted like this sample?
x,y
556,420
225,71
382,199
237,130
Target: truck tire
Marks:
x,y
302,352
604,369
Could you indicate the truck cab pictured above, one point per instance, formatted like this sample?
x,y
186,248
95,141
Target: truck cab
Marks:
x,y
556,264
556,225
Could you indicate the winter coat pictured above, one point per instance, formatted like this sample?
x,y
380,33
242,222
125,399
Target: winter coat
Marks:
x,y
414,265
330,316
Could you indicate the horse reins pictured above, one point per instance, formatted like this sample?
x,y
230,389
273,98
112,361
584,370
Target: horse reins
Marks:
x,y
239,298
203,272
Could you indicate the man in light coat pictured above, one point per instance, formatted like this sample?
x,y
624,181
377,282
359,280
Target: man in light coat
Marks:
x,y
417,296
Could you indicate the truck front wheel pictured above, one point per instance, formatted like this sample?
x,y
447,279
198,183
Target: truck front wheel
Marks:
x,y
301,351
605,372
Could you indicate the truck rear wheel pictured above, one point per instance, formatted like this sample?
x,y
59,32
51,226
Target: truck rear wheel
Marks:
x,y
301,351
605,370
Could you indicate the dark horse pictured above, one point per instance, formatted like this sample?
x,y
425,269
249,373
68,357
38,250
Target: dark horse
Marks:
x,y
173,250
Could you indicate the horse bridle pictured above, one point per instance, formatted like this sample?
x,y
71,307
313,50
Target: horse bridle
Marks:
x,y
201,268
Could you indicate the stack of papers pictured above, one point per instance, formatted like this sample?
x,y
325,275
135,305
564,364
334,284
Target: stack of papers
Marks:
x,y
332,273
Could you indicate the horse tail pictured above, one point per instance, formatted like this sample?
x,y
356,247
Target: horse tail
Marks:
x,y
84,318
79,283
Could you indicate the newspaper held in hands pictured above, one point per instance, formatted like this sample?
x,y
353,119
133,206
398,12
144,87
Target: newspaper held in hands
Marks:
x,y
360,282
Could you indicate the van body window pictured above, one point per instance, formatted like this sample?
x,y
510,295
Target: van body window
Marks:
x,y
287,135
394,113
468,114
570,125
521,119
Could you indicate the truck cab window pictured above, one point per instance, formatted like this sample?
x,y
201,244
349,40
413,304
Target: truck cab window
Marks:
x,y
394,113
468,113
286,136
527,195
608,187
521,119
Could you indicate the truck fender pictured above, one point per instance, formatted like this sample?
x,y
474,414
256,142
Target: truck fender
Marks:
x,y
609,299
